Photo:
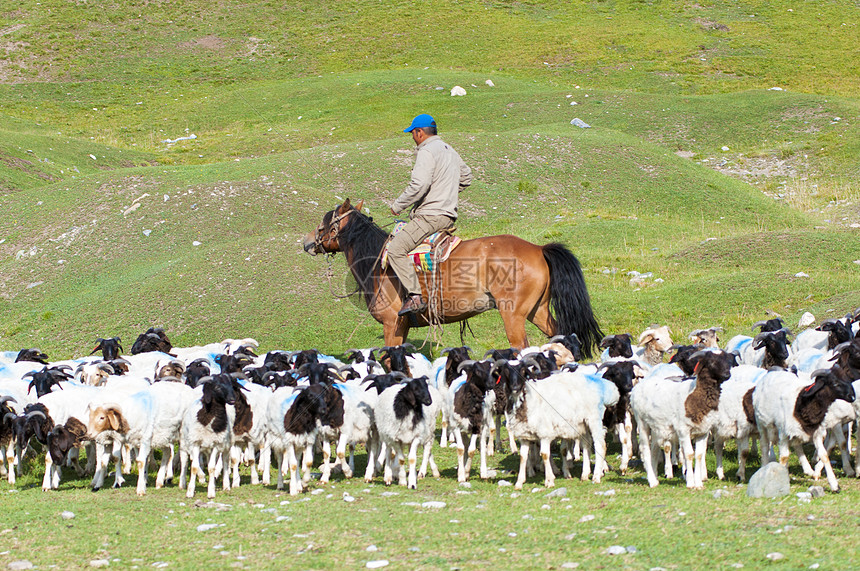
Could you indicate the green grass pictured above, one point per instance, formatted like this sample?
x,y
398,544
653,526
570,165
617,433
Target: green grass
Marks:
x,y
481,526
296,107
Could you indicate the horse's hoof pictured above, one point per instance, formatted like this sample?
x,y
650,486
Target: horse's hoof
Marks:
x,y
95,489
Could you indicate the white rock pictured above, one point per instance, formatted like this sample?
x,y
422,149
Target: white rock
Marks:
x,y
504,483
569,565
93,157
577,122
208,526
490,83
457,91
195,243
775,89
317,492
147,232
433,505
376,564
616,550
348,499
20,565
724,148
67,515
801,275
775,556
806,320
586,518
574,103
99,563
372,548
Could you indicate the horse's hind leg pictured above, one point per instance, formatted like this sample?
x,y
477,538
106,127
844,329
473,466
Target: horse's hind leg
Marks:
x,y
515,325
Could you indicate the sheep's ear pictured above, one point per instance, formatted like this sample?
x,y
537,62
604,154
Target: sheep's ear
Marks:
x,y
409,397
206,399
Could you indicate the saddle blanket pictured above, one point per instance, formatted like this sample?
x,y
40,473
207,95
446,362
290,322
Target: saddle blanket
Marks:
x,y
441,243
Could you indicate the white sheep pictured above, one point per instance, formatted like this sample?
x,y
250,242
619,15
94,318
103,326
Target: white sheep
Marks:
x,y
735,416
791,410
207,427
405,415
683,411
566,405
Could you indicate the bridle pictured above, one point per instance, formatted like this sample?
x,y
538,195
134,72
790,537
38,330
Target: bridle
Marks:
x,y
333,230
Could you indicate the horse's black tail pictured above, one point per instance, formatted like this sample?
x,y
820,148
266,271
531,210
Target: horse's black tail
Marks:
x,y
569,298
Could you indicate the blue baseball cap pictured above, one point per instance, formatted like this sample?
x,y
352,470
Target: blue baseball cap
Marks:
x,y
421,121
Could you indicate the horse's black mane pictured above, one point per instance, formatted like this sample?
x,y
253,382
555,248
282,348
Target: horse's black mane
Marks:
x,y
363,240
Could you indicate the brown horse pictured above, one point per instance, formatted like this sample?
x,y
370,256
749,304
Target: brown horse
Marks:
x,y
520,279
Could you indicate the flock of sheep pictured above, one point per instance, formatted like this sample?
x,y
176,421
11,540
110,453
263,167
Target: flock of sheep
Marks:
x,y
225,406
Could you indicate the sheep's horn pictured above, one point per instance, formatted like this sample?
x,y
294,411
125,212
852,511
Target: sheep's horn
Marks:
x,y
409,346
7,398
8,414
758,324
464,364
169,378
106,368
371,364
398,375
206,379
557,338
33,413
572,367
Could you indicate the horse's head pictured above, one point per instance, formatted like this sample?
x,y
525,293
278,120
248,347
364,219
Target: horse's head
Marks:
x,y
324,238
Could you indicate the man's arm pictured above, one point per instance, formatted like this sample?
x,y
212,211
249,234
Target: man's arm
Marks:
x,y
465,175
422,175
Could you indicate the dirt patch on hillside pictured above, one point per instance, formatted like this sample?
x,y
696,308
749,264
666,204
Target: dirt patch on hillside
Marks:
x,y
210,42
24,165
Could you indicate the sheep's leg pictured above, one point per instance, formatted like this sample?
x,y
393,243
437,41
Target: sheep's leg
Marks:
x,y
308,464
489,448
524,458
142,462
856,451
279,458
823,457
686,446
549,476
428,458
341,455
577,450
101,467
497,434
225,470
719,442
566,457
266,463
473,445
326,464
627,442
293,463
369,470
12,460
251,455
598,439
743,455
667,460
122,453
624,438
443,438
412,481
699,466
461,452
802,459
511,441
401,465
845,454
235,459
183,465
645,451
387,475
166,460
585,454
195,470
486,443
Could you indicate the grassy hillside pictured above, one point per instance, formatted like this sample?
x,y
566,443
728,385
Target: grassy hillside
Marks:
x,y
694,169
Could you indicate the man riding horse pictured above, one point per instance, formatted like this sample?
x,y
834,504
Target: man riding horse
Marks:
x,y
438,177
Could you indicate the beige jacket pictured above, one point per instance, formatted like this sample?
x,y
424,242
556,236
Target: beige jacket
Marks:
x,y
437,178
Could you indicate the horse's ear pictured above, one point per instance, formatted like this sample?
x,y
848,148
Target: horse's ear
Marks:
x,y
345,206
359,205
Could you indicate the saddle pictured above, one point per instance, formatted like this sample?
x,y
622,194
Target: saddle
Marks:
x,y
435,249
